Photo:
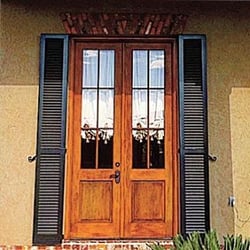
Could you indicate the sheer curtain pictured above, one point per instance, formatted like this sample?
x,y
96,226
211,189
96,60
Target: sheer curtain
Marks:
x,y
156,96
98,90
148,88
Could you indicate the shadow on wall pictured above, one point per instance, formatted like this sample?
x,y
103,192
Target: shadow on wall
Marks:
x,y
239,101
228,95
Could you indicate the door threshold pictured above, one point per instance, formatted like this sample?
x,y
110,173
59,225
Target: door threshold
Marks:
x,y
115,244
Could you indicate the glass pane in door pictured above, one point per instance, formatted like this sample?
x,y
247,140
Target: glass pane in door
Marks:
x,y
97,119
148,108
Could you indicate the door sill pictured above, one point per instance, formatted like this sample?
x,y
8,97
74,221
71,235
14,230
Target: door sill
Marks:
x,y
115,244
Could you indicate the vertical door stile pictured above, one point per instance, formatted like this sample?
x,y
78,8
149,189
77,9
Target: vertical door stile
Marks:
x,y
126,142
69,170
169,136
117,162
73,133
175,142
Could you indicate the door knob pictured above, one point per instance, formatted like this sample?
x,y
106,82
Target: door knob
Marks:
x,y
117,164
116,176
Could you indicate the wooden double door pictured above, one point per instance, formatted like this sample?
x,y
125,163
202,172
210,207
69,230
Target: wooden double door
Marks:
x,y
121,177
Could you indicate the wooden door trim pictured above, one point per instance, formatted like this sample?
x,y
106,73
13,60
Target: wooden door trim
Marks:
x,y
69,142
175,145
122,39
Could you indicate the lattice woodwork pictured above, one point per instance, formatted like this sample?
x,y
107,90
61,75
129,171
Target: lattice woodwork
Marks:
x,y
123,24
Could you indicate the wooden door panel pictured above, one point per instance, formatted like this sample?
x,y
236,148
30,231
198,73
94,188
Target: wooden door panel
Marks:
x,y
96,210
96,201
147,201
149,210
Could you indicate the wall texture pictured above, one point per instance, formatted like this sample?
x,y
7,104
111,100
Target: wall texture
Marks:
x,y
240,143
226,25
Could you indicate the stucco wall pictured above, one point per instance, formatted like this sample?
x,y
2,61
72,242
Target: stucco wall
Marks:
x,y
240,143
227,28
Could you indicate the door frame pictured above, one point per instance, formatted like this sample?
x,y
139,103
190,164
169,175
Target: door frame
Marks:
x,y
71,152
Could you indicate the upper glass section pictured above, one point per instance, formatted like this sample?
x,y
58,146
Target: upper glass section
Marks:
x,y
97,117
148,68
98,68
148,82
98,88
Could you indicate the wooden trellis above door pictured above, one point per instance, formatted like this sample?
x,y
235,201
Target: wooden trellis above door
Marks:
x,y
101,24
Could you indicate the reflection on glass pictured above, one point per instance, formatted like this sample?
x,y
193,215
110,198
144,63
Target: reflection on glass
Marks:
x,y
156,108
89,108
148,108
157,150
97,109
156,72
88,153
105,153
139,152
106,106
140,68
90,68
106,68
139,111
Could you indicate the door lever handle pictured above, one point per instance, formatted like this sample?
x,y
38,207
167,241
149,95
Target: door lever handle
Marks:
x,y
116,176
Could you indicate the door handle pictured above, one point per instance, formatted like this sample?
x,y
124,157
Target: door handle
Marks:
x,y
116,176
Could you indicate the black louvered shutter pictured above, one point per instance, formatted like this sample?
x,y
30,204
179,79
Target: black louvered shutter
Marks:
x,y
48,209
193,134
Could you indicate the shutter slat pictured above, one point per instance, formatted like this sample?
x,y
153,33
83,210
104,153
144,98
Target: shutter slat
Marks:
x,y
51,141
193,133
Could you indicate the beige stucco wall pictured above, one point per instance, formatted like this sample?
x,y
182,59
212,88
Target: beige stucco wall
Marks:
x,y
227,28
18,108
239,100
